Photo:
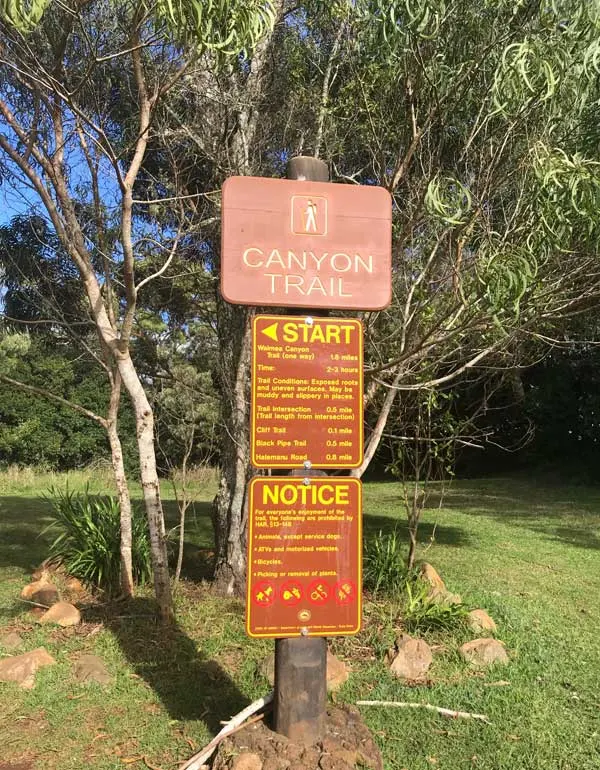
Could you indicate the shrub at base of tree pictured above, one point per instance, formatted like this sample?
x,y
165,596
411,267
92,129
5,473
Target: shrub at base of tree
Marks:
x,y
88,538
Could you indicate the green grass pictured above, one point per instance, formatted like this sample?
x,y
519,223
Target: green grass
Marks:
x,y
527,552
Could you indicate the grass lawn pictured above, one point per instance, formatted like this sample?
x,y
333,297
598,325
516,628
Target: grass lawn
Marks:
x,y
529,553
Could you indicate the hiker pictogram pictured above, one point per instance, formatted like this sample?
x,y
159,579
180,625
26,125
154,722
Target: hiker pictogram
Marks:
x,y
309,215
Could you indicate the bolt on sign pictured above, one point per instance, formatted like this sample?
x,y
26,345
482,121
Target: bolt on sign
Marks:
x,y
304,557
305,244
307,392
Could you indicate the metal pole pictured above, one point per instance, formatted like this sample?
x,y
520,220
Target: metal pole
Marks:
x,y
301,663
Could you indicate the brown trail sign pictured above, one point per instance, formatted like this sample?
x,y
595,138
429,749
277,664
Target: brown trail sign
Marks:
x,y
304,557
307,392
306,244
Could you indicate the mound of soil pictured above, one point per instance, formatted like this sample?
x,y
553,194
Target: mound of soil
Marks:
x,y
347,744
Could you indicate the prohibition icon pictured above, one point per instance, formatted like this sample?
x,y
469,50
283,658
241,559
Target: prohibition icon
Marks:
x,y
263,593
291,593
319,592
345,592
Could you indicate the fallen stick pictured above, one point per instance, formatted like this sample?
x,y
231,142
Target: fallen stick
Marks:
x,y
34,604
428,706
234,724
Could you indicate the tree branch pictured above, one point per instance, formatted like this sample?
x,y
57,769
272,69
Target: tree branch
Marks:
x,y
53,397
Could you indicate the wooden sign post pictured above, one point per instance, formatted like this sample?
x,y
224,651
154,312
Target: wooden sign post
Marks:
x,y
305,244
301,664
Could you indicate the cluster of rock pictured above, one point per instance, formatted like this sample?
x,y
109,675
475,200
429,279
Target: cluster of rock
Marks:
x,y
45,600
410,658
44,595
23,668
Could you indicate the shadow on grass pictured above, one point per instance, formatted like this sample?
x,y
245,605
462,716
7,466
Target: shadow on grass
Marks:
x,y
558,512
442,533
23,544
197,549
10,613
22,520
567,515
190,686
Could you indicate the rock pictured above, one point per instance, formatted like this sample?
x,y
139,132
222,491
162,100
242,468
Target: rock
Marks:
x,y
479,620
412,660
75,586
337,671
22,668
41,592
483,652
44,571
10,641
430,575
90,668
63,614
28,590
247,761
47,596
276,763
438,593
435,596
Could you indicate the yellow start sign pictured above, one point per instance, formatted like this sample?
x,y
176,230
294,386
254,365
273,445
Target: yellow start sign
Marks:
x,y
307,392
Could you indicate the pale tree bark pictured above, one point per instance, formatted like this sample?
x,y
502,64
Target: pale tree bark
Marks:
x,y
184,501
116,454
45,169
144,419
376,435
116,450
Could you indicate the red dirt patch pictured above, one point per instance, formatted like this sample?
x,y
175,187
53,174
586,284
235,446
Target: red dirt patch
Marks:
x,y
347,744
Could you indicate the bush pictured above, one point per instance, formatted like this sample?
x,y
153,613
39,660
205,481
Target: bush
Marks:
x,y
420,613
384,566
88,539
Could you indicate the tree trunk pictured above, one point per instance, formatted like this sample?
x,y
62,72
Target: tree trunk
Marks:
x,y
116,454
183,504
230,506
182,512
377,432
144,420
412,546
230,512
